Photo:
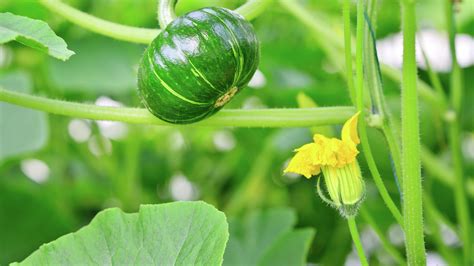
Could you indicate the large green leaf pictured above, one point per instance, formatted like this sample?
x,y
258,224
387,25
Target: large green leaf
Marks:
x,y
179,233
33,33
21,130
290,249
268,238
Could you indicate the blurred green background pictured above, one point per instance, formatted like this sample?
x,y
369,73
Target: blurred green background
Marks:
x,y
57,172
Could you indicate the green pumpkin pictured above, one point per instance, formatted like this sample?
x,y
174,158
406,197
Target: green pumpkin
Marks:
x,y
197,64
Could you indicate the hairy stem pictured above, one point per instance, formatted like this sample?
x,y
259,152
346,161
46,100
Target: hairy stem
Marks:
x,y
225,118
362,124
355,237
412,189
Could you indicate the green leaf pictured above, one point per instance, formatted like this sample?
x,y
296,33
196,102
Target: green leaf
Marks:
x,y
21,130
290,249
267,238
179,233
34,33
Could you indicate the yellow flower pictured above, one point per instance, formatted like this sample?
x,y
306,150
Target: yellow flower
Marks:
x,y
336,158
326,151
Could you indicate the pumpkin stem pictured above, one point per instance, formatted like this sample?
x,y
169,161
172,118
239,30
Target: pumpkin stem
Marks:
x,y
226,97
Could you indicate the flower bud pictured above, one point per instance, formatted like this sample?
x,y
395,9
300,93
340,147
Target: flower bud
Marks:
x,y
345,187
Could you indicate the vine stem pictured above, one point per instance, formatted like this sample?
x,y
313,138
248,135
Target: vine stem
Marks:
x,y
253,8
225,118
411,169
100,26
165,12
461,203
362,123
456,86
249,10
355,237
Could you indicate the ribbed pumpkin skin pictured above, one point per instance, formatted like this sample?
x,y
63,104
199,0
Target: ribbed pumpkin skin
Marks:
x,y
196,64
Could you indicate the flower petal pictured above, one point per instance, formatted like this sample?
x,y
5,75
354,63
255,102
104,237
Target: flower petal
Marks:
x,y
349,130
302,164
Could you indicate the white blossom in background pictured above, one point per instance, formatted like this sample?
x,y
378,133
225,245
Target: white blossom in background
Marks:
x,y
176,141
99,145
293,78
449,236
435,45
370,240
35,170
182,189
468,146
352,259
79,130
434,259
258,80
253,102
224,140
111,129
396,235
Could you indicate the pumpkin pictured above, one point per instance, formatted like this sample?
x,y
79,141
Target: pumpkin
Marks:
x,y
197,64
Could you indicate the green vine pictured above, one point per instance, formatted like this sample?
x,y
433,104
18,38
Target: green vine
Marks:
x,y
412,189
462,205
250,10
362,123
165,12
100,26
253,8
355,237
225,118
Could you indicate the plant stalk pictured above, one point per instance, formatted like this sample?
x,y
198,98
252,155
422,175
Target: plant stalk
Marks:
x,y
412,189
101,26
362,123
165,12
355,237
253,8
455,134
225,118
250,10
